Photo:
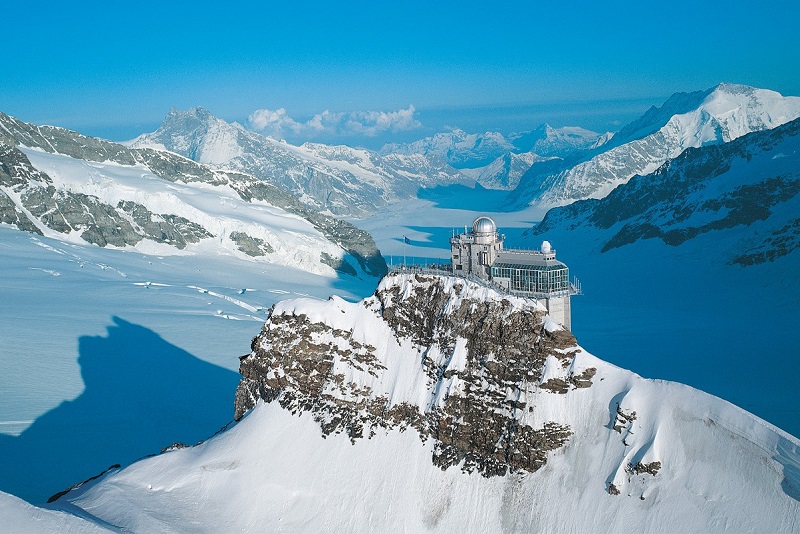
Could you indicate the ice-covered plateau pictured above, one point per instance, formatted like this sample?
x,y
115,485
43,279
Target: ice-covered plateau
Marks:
x,y
441,405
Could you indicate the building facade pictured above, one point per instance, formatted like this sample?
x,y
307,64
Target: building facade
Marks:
x,y
531,273
474,252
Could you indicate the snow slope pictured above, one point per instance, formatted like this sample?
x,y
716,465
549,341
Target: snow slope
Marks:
x,y
108,355
724,113
340,179
642,455
218,209
110,195
21,517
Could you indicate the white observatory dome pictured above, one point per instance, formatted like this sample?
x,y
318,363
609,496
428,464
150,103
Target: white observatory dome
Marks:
x,y
546,247
483,225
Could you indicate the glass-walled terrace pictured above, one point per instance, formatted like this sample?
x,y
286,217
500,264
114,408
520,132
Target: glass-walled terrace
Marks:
x,y
533,278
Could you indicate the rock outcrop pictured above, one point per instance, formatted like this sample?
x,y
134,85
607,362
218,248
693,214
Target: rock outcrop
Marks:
x,y
457,362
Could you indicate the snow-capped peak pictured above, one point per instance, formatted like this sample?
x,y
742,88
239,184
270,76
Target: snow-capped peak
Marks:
x,y
686,120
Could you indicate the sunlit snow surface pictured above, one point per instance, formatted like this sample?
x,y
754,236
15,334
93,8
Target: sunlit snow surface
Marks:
x,y
721,468
676,313
110,355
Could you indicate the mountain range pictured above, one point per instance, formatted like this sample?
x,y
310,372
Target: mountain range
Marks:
x,y
434,403
752,182
687,120
61,183
336,179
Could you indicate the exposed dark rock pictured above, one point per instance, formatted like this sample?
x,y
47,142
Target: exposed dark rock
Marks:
x,y
252,246
780,242
10,214
650,469
64,211
623,420
337,263
479,425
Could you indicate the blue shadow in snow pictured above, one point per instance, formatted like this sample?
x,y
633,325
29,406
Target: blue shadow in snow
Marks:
x,y
462,197
788,455
141,394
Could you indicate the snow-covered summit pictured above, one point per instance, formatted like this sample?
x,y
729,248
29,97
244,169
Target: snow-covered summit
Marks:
x,y
441,405
718,115
338,179
195,134
555,142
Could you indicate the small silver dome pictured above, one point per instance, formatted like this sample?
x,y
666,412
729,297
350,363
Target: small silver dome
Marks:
x,y
483,225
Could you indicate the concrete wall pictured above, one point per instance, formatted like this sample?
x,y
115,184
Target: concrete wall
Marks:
x,y
560,310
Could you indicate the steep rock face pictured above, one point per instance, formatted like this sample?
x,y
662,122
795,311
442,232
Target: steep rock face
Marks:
x,y
29,199
452,364
752,182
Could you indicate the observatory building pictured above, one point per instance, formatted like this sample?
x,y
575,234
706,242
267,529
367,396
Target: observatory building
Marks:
x,y
531,273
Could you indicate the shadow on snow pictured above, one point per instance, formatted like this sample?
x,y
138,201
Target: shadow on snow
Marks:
x,y
141,394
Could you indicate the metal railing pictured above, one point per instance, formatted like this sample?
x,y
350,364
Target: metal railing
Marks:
x,y
443,269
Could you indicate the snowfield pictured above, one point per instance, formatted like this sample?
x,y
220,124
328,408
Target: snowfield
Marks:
x,y
721,468
218,209
123,343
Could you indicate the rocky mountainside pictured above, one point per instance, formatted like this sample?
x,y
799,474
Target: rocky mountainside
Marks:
x,y
547,141
506,171
751,183
691,120
441,405
337,179
476,152
60,183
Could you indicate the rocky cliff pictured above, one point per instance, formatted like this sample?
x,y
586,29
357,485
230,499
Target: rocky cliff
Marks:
x,y
474,364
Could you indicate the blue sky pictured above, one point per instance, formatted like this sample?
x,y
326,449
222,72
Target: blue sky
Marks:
x,y
115,69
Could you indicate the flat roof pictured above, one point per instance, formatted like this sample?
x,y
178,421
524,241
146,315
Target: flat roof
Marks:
x,y
528,259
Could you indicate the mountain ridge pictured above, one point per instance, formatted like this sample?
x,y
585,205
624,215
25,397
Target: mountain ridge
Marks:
x,y
352,182
725,113
32,201
633,455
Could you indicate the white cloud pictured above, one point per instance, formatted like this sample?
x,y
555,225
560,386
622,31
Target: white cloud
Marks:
x,y
278,124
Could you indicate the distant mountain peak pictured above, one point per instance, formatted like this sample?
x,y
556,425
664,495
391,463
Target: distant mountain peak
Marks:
x,y
686,120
